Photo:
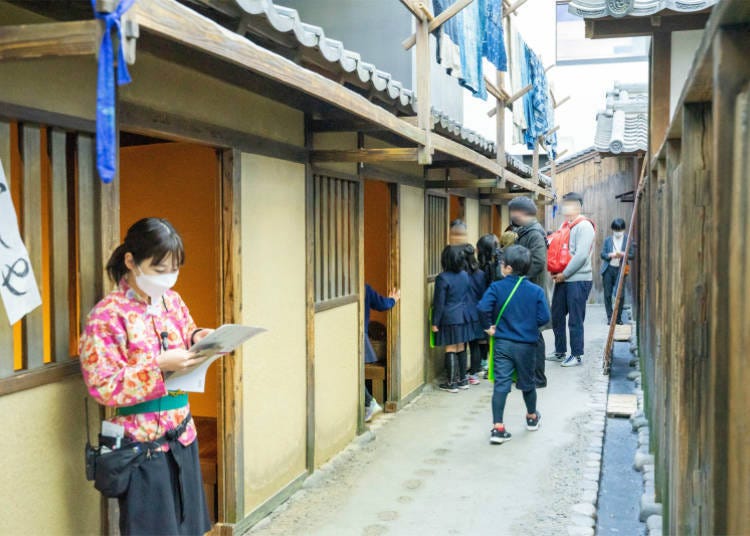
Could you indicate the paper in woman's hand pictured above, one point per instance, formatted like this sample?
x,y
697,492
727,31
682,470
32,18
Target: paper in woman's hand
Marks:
x,y
223,340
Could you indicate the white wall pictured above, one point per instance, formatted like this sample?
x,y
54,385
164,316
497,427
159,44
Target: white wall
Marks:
x,y
684,45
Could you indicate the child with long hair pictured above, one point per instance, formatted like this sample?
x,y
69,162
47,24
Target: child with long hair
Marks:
x,y
451,319
478,286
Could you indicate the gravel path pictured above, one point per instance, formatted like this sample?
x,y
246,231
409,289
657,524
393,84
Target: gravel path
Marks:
x,y
430,470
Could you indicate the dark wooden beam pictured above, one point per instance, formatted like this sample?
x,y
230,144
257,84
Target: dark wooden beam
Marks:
x,y
343,125
370,171
143,120
461,184
639,26
394,154
27,41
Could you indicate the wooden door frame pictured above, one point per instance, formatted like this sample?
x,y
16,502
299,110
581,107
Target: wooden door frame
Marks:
x,y
230,456
393,363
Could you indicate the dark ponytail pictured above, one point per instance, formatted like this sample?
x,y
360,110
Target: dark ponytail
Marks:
x,y
149,238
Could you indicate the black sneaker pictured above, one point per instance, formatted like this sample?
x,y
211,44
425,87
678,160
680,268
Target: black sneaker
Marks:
x,y
463,384
532,423
448,387
498,437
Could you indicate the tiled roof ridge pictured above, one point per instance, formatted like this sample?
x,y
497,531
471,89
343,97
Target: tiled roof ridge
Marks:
x,y
591,9
286,20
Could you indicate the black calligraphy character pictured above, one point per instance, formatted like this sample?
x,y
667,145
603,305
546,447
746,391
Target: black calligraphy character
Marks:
x,y
3,188
3,243
21,273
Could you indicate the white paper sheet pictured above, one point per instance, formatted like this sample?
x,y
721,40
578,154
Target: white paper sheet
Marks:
x,y
18,288
222,340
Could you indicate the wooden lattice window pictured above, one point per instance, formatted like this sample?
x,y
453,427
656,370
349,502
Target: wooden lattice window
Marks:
x,y
436,232
51,178
336,238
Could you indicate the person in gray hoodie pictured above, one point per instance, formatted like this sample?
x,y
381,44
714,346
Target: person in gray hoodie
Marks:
x,y
532,236
573,285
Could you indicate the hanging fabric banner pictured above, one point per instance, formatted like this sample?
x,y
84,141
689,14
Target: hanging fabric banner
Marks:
x,y
18,288
106,126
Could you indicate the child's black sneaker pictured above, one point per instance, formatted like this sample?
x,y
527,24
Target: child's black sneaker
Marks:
x,y
448,387
532,423
463,384
498,437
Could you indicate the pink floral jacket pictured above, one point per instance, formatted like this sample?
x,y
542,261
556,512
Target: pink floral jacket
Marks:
x,y
118,352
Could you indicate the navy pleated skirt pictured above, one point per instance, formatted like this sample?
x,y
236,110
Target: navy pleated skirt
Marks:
x,y
454,334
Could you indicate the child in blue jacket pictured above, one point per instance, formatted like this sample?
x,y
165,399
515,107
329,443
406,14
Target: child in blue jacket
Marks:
x,y
515,336
452,321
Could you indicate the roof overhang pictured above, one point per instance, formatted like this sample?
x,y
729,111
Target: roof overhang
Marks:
x,y
663,21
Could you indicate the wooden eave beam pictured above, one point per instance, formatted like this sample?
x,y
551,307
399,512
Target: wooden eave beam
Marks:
x,y
502,196
178,23
460,184
343,125
53,39
438,21
393,154
640,26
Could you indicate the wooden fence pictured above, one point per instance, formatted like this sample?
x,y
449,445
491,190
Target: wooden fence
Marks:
x,y
694,292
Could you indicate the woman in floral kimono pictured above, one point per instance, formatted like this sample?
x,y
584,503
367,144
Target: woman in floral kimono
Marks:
x,y
136,335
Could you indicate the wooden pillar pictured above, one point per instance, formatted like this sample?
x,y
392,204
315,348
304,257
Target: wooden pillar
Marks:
x,y
695,220
661,60
728,453
424,98
231,453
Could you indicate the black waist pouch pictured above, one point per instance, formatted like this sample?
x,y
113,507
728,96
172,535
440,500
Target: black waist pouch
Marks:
x,y
111,470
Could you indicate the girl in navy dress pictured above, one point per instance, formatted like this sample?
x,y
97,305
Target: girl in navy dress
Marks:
x,y
451,317
478,285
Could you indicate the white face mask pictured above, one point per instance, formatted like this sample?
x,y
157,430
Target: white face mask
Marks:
x,y
619,234
155,285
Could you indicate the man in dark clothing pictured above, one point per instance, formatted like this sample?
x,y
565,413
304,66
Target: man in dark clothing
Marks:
x,y
531,235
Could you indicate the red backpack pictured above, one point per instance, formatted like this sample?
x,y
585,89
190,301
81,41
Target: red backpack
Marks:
x,y
558,252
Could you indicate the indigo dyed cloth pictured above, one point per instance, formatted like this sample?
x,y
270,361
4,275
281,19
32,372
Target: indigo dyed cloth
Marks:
x,y
537,102
450,38
466,30
493,47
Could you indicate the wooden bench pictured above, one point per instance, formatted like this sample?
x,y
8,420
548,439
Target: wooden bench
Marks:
x,y
376,373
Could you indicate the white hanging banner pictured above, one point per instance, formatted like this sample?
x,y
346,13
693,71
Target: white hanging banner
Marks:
x,y
18,287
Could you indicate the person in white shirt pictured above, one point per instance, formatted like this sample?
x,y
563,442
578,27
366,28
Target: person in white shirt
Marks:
x,y
613,254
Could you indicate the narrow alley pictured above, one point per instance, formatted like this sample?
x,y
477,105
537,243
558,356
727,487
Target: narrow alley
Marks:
x,y
430,469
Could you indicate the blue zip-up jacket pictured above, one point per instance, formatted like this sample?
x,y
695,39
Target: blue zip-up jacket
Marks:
x,y
373,300
526,312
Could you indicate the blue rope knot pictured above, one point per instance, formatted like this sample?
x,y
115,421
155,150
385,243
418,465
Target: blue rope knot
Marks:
x,y
106,129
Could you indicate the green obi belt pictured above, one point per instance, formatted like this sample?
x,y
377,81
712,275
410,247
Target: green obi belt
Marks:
x,y
173,400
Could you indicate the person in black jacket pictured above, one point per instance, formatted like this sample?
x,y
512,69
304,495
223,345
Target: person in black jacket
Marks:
x,y
531,235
